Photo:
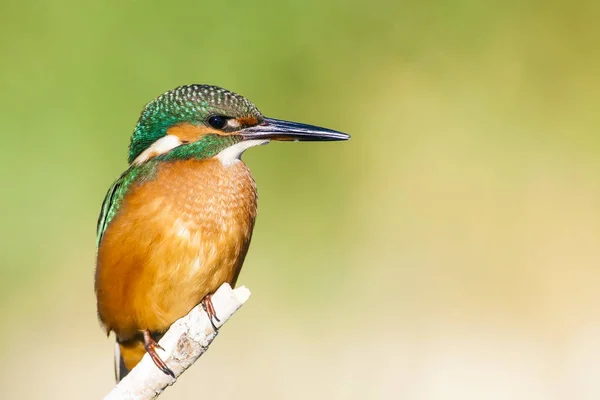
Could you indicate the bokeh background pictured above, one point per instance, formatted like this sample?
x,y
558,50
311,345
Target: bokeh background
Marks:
x,y
450,250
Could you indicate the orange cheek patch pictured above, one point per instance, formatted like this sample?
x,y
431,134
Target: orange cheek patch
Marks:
x,y
249,120
190,133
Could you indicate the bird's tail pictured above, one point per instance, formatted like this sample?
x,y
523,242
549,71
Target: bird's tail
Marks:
x,y
127,355
120,369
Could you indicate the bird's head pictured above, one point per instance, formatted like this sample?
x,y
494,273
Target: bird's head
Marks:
x,y
201,121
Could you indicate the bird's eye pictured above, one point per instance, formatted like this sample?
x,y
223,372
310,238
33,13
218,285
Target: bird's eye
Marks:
x,y
217,121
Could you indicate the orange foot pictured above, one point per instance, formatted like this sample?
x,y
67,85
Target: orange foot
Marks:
x,y
150,345
210,310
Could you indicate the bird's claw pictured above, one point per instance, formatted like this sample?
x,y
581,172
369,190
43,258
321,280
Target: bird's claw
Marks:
x,y
150,345
210,311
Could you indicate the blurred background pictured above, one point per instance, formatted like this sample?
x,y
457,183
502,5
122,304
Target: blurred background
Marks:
x,y
450,250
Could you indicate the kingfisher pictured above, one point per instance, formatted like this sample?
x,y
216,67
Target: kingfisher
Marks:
x,y
178,222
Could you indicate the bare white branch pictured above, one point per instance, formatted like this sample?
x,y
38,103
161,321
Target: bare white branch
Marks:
x,y
185,341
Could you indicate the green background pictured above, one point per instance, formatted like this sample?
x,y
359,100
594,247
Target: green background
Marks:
x,y
450,250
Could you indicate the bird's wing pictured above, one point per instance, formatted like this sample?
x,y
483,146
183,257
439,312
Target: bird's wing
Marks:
x,y
113,200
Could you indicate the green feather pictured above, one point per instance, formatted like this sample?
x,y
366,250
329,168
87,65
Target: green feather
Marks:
x,y
192,104
207,147
115,195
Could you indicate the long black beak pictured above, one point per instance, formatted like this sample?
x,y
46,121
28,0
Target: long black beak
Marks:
x,y
276,129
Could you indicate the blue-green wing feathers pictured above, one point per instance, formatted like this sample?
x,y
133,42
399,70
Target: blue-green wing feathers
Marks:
x,y
117,192
111,204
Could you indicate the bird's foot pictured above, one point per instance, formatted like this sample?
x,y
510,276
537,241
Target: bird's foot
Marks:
x,y
210,310
150,345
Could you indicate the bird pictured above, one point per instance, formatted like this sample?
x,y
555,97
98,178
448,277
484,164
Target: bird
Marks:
x,y
178,222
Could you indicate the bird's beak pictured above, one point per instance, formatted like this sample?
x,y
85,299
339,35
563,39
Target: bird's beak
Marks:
x,y
275,129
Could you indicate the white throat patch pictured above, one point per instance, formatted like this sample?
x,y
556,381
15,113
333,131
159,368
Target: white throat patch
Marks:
x,y
161,146
233,153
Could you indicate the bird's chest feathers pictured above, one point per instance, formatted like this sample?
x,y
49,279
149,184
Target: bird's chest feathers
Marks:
x,y
202,213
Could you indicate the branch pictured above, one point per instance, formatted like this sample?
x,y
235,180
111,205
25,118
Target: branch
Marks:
x,y
185,341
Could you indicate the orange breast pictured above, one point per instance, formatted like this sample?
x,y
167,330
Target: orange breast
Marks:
x,y
176,238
